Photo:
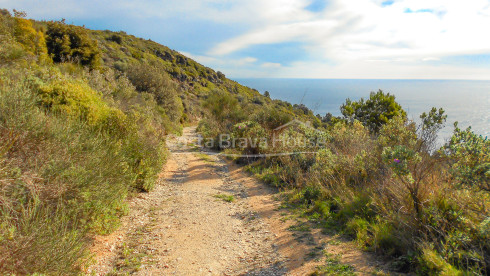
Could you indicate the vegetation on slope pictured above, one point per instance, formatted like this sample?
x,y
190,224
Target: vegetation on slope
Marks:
x,y
381,179
83,119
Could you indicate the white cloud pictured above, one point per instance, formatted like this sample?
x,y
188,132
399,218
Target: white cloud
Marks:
x,y
248,60
200,58
362,29
354,38
275,34
399,39
430,59
209,59
271,65
219,63
381,69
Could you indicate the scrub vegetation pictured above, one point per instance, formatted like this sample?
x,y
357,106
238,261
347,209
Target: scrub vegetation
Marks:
x,y
83,120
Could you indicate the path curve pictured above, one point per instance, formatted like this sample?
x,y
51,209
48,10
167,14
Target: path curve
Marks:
x,y
208,217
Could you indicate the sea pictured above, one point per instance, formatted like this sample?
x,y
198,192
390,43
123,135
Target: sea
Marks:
x,y
465,101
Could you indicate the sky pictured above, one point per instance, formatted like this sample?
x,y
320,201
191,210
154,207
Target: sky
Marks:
x,y
361,39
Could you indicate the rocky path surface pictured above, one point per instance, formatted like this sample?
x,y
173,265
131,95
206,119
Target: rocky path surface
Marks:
x,y
207,217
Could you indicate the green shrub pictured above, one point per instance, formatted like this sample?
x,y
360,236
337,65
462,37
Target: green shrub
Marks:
x,y
311,194
431,263
271,117
224,108
469,155
66,170
386,239
358,228
115,38
322,207
38,238
150,79
250,136
358,206
209,128
68,43
397,132
10,49
272,179
78,100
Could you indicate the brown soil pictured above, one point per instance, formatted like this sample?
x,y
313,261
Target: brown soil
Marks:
x,y
183,227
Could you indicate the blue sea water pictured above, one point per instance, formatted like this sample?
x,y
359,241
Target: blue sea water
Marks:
x,y
465,101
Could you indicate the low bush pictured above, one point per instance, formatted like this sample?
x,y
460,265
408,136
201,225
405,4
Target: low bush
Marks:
x,y
469,155
395,194
68,161
149,79
77,100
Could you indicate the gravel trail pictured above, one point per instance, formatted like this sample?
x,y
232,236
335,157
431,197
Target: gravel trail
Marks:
x,y
203,219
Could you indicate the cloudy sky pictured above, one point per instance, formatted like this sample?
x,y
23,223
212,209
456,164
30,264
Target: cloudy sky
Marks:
x,y
421,39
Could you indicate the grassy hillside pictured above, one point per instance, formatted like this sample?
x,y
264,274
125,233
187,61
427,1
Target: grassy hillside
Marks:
x,y
83,120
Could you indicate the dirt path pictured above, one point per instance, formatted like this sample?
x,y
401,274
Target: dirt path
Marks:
x,y
208,217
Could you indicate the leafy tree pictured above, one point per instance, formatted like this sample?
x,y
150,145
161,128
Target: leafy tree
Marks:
x,y
432,122
267,94
32,40
221,76
5,12
10,49
373,112
301,109
71,43
19,14
19,38
408,153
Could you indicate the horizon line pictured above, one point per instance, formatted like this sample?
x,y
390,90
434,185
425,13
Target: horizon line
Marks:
x,y
233,78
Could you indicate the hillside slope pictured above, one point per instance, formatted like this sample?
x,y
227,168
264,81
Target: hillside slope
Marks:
x,y
84,117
